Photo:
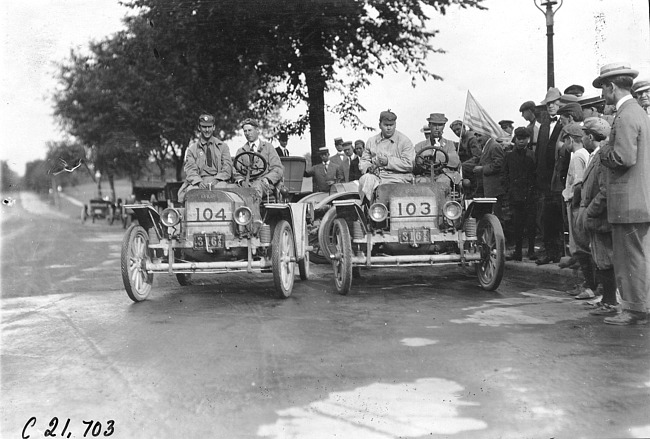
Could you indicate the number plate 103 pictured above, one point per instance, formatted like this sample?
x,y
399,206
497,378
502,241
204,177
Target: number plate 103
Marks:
x,y
209,241
414,236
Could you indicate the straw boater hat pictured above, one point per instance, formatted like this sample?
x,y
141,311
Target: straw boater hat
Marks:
x,y
614,69
425,129
640,85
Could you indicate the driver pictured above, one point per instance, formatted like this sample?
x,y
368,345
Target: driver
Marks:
x,y
388,158
265,183
437,123
207,160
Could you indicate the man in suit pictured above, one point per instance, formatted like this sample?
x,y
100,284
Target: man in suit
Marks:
x,y
265,183
641,92
488,171
326,173
283,139
551,212
355,172
342,160
437,122
627,157
527,110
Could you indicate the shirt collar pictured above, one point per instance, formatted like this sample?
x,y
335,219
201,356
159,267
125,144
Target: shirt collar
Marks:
x,y
622,101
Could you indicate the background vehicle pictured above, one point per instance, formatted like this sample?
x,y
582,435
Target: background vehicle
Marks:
x,y
156,193
216,231
99,208
418,224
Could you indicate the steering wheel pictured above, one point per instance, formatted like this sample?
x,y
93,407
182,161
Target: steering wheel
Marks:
x,y
250,164
428,162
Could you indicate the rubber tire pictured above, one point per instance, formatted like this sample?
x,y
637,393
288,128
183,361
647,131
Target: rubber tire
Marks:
x,y
135,244
325,232
303,267
343,266
490,270
283,272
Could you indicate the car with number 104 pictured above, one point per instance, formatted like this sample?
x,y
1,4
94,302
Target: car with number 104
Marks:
x,y
219,230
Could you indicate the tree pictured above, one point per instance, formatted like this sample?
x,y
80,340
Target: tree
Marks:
x,y
10,179
302,48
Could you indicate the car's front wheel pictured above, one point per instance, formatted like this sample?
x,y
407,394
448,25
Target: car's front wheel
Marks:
x,y
303,267
342,263
492,245
135,254
283,251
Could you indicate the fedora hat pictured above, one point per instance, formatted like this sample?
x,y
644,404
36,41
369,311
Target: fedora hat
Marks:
x,y
614,69
437,118
553,94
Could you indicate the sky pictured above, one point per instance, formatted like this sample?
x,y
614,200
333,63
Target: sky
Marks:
x,y
499,55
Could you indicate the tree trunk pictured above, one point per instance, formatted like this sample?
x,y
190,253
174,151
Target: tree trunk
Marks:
x,y
178,162
111,185
316,106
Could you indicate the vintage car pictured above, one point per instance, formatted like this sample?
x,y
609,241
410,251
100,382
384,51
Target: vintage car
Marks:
x,y
218,230
101,208
419,224
159,194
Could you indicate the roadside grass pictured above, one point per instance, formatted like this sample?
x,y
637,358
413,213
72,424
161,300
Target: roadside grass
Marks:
x,y
84,192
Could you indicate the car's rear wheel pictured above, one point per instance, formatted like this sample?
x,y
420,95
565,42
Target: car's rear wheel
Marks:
x,y
492,244
135,254
303,267
282,252
342,264
325,233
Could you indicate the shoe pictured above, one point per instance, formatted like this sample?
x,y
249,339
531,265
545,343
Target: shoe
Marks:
x,y
577,289
514,256
587,293
604,309
627,318
595,302
547,260
568,263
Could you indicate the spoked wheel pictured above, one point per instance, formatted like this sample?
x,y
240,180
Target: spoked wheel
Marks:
x,y
492,245
303,267
342,264
325,232
135,254
282,252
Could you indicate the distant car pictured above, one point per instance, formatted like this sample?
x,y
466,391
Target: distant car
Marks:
x,y
99,208
159,194
422,224
219,230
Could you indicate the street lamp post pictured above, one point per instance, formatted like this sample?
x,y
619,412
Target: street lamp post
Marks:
x,y
549,13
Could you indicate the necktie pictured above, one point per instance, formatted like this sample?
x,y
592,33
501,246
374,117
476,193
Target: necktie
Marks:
x,y
208,155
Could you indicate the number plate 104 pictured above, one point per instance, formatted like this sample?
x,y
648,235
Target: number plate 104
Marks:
x,y
414,236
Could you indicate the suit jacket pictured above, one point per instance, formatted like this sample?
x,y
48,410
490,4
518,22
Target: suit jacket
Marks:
x,y
491,159
627,157
281,153
355,172
343,163
593,197
324,179
545,155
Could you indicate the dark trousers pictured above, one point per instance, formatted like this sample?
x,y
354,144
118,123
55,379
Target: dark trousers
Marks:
x,y
553,222
524,216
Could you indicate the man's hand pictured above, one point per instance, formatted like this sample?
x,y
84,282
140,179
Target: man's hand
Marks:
x,y
478,169
379,161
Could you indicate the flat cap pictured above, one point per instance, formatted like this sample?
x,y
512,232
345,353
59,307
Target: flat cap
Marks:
x,y
456,122
387,116
250,121
573,129
640,85
522,133
597,125
528,105
591,102
505,122
206,120
553,94
614,69
282,135
437,118
567,99
574,89
574,109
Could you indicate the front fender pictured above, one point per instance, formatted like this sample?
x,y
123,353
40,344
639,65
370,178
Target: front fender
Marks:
x,y
147,216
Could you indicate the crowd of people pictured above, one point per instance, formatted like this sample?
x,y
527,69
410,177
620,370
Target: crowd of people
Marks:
x,y
578,164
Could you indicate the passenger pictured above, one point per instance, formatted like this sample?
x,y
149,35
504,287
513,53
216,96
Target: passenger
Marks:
x,y
437,123
207,160
263,184
283,139
342,160
326,173
388,158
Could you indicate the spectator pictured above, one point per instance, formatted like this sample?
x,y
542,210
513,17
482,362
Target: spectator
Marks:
x,y
488,172
265,183
627,157
466,140
388,158
592,216
575,90
641,92
355,172
342,160
427,132
551,215
519,184
283,139
527,110
507,126
207,160
359,147
326,173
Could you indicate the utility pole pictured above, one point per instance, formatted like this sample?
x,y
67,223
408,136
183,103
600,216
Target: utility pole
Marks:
x,y
549,12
